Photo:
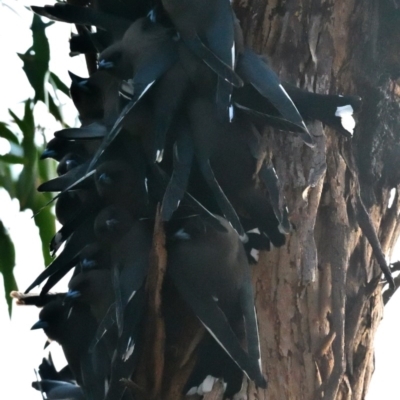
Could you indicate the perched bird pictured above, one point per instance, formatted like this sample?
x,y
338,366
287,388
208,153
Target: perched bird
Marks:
x,y
207,29
57,148
210,271
144,54
222,152
73,328
96,98
69,162
67,259
130,243
59,390
123,184
67,205
333,110
93,285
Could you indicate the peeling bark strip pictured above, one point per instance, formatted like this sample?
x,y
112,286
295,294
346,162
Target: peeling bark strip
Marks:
x,y
318,298
150,380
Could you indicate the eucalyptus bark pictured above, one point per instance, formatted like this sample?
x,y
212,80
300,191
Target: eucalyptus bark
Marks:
x,y
319,298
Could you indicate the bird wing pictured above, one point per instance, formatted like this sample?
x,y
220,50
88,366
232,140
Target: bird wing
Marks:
x,y
216,323
224,204
146,75
84,16
182,157
92,131
255,71
268,175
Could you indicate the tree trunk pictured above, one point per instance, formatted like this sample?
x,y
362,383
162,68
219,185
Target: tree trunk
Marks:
x,y
319,298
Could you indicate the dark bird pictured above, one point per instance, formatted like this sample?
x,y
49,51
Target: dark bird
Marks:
x,y
210,271
57,148
130,242
59,390
207,29
68,258
333,110
123,184
96,98
222,152
93,285
144,54
69,162
73,328
112,182
67,205
205,131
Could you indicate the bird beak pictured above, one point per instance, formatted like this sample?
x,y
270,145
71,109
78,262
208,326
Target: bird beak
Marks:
x,y
103,64
73,294
47,154
40,325
82,82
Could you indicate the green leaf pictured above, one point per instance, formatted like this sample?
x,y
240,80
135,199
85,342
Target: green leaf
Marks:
x,y
7,264
58,84
12,159
7,134
36,58
6,179
54,108
44,217
45,221
27,123
25,189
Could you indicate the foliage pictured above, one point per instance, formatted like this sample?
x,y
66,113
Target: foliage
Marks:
x,y
25,152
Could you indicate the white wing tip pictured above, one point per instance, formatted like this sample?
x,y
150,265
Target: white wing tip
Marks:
x,y
345,113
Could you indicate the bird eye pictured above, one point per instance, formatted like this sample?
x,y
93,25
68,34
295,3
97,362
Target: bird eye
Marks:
x,y
105,179
88,263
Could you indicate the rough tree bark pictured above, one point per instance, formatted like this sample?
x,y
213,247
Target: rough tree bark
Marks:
x,y
319,298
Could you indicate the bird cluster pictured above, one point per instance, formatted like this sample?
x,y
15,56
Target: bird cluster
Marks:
x,y
172,116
